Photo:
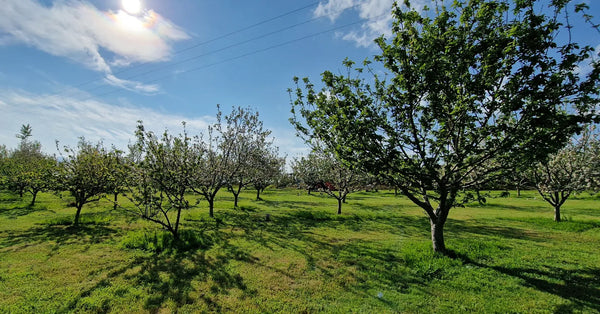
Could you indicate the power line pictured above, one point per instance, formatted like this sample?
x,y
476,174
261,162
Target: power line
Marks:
x,y
246,54
237,31
172,64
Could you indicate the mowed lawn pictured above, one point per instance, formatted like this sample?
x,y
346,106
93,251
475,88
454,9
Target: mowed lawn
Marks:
x,y
303,258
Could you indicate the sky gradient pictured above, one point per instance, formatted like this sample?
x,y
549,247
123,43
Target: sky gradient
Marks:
x,y
89,68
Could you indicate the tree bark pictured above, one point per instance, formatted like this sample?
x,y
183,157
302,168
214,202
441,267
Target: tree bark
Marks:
x,y
77,214
437,236
258,194
176,230
236,195
339,206
34,194
557,213
211,206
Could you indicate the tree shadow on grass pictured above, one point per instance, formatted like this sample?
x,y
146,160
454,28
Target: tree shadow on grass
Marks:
x,y
293,204
356,266
88,233
172,277
580,286
18,211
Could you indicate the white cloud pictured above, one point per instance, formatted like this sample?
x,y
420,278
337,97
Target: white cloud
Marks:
x,y
376,13
78,30
67,118
131,85
333,8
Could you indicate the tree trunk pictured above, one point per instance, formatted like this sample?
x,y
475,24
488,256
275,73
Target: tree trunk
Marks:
x,y
34,197
211,206
236,194
77,214
437,235
115,203
176,230
557,213
339,206
479,198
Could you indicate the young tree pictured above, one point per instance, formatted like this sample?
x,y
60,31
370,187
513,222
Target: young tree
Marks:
x,y
161,171
480,81
27,169
568,171
216,167
337,180
246,138
267,167
308,170
117,183
85,173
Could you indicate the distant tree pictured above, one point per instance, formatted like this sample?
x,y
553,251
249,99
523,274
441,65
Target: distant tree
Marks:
x,y
568,171
246,139
3,166
39,175
85,173
267,168
308,170
27,169
119,174
161,171
478,81
336,179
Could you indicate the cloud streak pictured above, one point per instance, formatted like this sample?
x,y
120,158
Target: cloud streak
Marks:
x,y
79,31
66,119
376,13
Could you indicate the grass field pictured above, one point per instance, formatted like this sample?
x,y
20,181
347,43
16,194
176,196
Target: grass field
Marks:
x,y
374,258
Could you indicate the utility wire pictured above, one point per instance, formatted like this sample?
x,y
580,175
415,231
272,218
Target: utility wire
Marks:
x,y
245,54
168,65
237,31
172,64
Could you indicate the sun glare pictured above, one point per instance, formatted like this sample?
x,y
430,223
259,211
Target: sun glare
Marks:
x,y
129,22
132,6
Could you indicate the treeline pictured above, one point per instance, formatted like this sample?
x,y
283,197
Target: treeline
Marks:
x,y
157,173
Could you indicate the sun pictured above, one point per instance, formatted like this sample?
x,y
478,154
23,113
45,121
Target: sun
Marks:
x,y
132,6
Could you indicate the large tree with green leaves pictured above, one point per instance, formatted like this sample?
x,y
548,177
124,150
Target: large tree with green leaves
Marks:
x,y
480,81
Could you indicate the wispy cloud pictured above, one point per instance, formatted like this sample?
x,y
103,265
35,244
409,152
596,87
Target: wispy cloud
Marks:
x,y
376,13
79,31
67,118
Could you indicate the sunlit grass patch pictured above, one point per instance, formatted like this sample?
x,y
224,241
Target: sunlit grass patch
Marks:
x,y
375,257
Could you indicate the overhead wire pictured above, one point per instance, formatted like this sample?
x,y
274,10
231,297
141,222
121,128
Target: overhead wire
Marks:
x,y
214,39
115,89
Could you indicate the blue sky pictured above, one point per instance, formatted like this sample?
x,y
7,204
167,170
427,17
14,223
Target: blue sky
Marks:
x,y
92,69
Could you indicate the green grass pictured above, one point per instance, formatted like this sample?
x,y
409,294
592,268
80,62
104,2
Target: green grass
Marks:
x,y
375,257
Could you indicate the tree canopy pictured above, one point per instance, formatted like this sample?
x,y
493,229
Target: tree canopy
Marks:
x,y
476,83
